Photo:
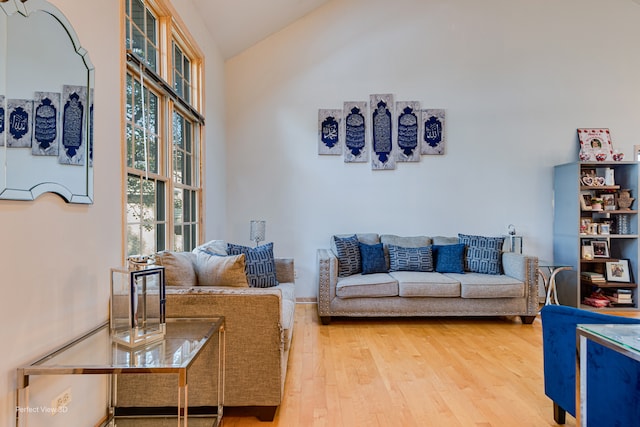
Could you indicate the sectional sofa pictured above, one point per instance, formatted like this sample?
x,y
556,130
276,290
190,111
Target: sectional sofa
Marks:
x,y
369,274
258,306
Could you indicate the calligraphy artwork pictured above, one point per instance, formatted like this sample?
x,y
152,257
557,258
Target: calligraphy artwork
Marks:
x,y
46,120
382,148
356,137
2,119
433,131
407,135
74,110
329,141
19,123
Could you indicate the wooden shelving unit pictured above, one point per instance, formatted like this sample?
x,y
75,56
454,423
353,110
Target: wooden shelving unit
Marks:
x,y
570,235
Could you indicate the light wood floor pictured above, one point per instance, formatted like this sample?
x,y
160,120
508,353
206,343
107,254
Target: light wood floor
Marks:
x,y
441,372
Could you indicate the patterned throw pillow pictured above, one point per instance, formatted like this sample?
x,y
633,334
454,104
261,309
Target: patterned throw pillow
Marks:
x,y
259,263
483,253
449,258
373,260
410,259
349,261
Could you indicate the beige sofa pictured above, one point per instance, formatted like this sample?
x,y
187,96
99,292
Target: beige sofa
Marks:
x,y
259,328
513,292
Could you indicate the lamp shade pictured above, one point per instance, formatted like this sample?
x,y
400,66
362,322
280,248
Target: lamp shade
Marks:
x,y
257,230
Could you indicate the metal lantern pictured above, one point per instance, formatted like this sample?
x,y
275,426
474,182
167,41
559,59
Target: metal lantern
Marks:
x,y
137,305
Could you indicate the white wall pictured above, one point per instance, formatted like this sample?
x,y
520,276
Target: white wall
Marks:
x,y
55,257
516,78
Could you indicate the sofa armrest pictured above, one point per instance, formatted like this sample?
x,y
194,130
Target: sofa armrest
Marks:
x,y
524,268
327,280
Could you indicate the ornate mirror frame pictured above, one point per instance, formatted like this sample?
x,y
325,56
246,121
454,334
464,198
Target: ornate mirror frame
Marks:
x,y
46,98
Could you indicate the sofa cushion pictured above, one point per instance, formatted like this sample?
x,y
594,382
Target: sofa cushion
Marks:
x,y
483,253
421,284
367,285
405,242
178,268
372,257
348,253
212,247
444,240
214,270
410,259
478,285
449,258
259,262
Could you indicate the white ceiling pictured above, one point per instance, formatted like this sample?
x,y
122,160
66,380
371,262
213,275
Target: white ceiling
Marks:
x,y
239,24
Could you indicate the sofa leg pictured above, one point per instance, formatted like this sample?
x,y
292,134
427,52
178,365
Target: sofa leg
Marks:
x,y
559,414
325,320
528,320
266,413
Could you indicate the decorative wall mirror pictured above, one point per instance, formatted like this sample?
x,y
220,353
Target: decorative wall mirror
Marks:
x,y
46,98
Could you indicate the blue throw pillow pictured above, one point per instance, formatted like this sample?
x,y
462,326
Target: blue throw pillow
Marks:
x,y
373,260
410,259
483,253
348,255
260,264
449,258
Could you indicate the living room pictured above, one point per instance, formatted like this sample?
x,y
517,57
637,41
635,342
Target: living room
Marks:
x,y
515,78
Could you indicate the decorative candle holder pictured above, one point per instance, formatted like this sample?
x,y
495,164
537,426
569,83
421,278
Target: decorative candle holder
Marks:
x,y
137,305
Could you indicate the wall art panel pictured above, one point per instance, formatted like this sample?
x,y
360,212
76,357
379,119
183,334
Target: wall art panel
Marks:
x,y
46,124
433,131
329,135
407,134
355,134
381,109
74,118
19,116
2,120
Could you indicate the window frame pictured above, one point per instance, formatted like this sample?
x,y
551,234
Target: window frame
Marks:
x,y
170,32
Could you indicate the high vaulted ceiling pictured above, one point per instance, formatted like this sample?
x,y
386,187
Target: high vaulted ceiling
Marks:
x,y
238,24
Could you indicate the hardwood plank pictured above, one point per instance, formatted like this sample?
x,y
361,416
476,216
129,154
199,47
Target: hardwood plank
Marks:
x,y
482,372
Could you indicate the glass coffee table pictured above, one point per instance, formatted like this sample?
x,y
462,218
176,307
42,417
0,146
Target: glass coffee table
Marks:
x,y
96,353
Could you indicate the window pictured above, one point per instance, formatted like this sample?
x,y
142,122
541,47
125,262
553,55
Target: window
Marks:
x,y
162,133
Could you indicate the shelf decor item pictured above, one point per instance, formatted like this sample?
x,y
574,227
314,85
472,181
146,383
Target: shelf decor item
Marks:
x,y
595,144
600,249
137,304
618,271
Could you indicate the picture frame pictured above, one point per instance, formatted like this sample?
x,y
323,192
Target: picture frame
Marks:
x,y
584,228
595,144
609,201
605,228
618,271
587,252
600,249
585,200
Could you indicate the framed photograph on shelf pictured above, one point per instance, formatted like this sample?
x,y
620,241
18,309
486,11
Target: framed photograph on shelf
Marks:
x,y
600,249
595,144
609,202
587,252
618,271
585,201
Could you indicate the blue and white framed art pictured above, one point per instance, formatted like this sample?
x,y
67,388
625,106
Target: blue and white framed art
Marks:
x,y
74,120
329,135
433,131
407,135
381,113
356,138
2,120
19,116
46,124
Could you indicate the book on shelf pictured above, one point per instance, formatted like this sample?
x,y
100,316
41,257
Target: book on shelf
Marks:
x,y
621,296
593,277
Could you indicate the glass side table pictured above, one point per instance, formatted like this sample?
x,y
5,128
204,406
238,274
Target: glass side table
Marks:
x,y
97,353
548,270
624,339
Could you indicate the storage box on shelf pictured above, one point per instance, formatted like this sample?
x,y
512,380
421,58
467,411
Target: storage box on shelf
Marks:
x,y
599,242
